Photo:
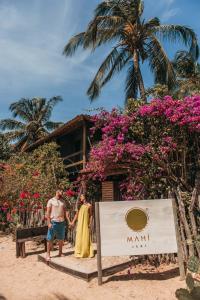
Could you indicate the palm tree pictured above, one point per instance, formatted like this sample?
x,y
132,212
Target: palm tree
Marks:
x,y
135,41
35,115
188,73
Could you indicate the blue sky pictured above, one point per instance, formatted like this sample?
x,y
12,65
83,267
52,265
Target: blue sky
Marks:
x,y
32,37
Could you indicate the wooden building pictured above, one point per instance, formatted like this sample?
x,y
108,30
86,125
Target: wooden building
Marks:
x,y
74,140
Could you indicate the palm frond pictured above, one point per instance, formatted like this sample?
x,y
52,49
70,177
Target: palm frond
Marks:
x,y
178,33
48,108
13,136
184,64
22,109
52,102
52,125
38,105
102,22
120,62
73,44
114,62
159,63
129,10
10,124
131,85
101,30
150,24
112,8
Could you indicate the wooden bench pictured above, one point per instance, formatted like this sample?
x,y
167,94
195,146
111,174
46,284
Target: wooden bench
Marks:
x,y
29,234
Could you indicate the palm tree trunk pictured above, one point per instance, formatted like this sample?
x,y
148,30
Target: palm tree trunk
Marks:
x,y
139,75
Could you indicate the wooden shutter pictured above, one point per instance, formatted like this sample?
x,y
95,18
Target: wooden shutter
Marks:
x,y
107,191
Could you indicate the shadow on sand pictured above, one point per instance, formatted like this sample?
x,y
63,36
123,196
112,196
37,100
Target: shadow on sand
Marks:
x,y
61,297
2,297
165,275
34,252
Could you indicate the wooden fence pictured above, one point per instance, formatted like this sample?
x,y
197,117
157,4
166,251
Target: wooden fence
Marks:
x,y
33,218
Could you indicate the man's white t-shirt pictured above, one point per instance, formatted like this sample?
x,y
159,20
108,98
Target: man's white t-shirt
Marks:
x,y
57,209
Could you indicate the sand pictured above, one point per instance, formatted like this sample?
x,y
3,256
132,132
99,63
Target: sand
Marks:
x,y
28,279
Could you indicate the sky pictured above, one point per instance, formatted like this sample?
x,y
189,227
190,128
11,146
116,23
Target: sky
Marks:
x,y
33,34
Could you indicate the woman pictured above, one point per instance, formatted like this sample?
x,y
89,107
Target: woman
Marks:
x,y
83,244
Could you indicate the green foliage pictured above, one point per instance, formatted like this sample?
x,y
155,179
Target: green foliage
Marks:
x,y
191,293
93,191
183,294
34,120
195,293
193,264
5,148
190,281
197,241
41,171
188,74
158,91
193,289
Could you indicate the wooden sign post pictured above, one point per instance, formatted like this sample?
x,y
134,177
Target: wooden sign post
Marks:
x,y
98,235
143,227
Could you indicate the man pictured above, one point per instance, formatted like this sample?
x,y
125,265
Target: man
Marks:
x,y
56,213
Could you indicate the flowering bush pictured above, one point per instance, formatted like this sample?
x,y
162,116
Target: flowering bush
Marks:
x,y
177,112
29,180
158,144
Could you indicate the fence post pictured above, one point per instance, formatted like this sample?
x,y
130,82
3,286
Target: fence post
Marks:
x,y
179,246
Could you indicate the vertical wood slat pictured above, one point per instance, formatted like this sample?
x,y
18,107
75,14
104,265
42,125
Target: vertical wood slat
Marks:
x,y
178,238
98,235
17,249
107,191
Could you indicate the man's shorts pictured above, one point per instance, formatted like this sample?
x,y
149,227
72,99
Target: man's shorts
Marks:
x,y
56,231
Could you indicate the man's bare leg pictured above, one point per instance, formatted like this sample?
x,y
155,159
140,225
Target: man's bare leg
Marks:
x,y
49,247
60,243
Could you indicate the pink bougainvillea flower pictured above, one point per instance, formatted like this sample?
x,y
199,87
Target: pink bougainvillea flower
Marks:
x,y
6,205
24,195
13,211
8,217
36,195
70,193
36,173
4,208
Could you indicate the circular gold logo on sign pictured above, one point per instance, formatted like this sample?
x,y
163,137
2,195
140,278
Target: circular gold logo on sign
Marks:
x,y
136,219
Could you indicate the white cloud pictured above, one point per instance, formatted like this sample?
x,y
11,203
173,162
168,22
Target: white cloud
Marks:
x,y
169,13
164,8
32,42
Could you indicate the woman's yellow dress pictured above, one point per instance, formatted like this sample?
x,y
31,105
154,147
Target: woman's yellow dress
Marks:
x,y
83,244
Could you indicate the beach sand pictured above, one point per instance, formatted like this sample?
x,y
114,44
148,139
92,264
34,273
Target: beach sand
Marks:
x,y
28,279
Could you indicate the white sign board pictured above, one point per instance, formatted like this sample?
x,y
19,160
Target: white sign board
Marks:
x,y
137,227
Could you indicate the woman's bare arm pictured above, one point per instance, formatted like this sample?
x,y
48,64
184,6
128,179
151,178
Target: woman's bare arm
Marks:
x,y
91,216
67,216
75,218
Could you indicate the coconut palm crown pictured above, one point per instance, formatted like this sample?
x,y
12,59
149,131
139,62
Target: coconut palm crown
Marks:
x,y
34,123
188,74
134,40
